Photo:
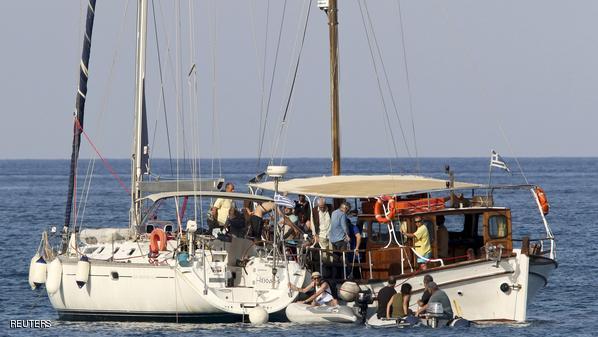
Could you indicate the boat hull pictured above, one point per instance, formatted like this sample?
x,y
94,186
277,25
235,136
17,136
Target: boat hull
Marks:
x,y
169,292
486,290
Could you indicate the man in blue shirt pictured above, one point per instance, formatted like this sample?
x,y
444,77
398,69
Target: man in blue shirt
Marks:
x,y
338,230
338,236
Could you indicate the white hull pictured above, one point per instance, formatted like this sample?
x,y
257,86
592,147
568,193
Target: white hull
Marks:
x,y
475,288
306,314
375,322
139,289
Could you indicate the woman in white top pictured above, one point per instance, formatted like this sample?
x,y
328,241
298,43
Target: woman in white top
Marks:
x,y
323,294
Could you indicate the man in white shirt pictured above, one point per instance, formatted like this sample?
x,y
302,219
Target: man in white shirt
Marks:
x,y
322,219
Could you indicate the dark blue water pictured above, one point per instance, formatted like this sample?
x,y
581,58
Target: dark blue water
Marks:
x,y
33,193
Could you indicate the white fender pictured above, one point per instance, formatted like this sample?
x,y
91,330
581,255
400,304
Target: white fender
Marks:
x,y
54,276
258,315
349,291
82,275
37,271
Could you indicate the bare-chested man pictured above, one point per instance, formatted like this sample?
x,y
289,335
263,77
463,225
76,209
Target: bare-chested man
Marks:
x,y
256,219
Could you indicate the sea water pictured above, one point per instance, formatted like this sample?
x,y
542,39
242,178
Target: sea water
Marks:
x,y
33,194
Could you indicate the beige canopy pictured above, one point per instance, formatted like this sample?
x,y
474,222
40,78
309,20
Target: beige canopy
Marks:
x,y
354,186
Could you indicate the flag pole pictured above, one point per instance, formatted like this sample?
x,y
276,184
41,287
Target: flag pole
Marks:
x,y
489,176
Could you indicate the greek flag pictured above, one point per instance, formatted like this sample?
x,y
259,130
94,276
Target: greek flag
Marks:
x,y
281,200
497,161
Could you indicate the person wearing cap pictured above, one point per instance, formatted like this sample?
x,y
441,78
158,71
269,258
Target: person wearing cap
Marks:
x,y
322,295
438,296
422,242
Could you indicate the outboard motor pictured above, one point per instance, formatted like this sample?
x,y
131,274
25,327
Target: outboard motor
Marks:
x,y
434,312
364,299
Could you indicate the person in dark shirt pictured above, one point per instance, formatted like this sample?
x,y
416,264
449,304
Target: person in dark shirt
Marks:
x,y
302,205
426,295
384,296
438,296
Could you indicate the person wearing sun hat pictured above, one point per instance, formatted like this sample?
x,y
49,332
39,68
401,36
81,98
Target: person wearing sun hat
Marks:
x,y
322,295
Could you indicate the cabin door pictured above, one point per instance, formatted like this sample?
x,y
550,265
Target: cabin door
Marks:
x,y
497,230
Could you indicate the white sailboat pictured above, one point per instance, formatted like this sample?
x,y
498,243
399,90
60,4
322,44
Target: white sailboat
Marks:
x,y
160,267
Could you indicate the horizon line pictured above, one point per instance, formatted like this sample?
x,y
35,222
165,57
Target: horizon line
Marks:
x,y
348,157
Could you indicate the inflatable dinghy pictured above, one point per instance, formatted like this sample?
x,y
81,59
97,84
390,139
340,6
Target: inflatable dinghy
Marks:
x,y
411,321
375,322
306,314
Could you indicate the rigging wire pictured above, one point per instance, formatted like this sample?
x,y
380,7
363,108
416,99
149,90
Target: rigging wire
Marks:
x,y
193,93
483,90
267,109
363,19
179,92
393,101
91,164
162,95
409,94
502,132
215,119
294,70
261,71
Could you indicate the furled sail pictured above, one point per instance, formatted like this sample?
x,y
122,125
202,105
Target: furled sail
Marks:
x,y
79,112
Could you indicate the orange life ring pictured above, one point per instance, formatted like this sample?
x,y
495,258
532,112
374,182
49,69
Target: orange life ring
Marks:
x,y
157,240
381,216
544,205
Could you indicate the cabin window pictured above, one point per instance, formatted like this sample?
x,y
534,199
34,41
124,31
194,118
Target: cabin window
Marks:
x,y
497,226
379,232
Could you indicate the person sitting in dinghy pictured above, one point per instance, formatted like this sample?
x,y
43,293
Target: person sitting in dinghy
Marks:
x,y
323,294
398,306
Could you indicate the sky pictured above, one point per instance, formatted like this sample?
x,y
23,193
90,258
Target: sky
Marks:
x,y
517,76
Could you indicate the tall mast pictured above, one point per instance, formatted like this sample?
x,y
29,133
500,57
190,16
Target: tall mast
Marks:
x,y
78,115
330,6
140,147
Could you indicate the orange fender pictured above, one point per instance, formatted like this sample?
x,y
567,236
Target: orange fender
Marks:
x,y
157,240
542,199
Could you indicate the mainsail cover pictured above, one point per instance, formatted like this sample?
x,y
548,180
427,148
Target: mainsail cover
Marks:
x,y
79,112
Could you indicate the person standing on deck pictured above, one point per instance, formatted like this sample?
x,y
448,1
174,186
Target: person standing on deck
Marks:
x,y
302,205
321,216
338,231
338,235
222,206
421,242
256,219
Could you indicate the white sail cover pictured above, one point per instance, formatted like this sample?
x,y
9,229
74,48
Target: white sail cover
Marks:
x,y
362,186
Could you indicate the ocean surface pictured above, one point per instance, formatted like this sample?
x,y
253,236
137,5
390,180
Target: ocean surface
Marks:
x,y
33,195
